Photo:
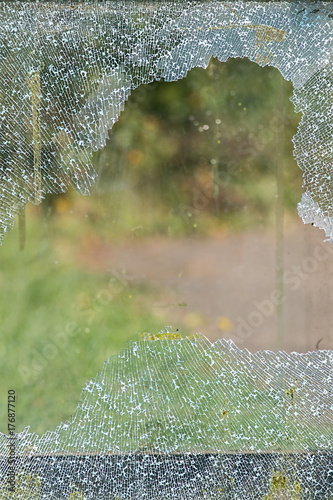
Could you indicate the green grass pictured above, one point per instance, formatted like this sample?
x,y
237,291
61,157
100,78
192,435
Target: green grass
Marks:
x,y
60,318
59,322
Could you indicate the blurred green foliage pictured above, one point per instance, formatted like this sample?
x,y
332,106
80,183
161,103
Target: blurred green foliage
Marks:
x,y
201,153
24,487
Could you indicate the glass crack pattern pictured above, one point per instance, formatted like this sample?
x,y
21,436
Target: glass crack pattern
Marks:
x,y
184,418
166,417
67,69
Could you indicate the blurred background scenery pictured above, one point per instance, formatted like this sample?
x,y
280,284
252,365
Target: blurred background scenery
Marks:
x,y
192,223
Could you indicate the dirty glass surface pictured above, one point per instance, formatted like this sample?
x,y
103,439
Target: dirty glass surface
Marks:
x,y
169,234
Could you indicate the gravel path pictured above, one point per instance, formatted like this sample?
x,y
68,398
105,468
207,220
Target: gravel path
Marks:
x,y
225,286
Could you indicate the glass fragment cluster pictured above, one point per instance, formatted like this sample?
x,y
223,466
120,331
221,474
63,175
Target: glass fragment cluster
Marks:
x,y
67,69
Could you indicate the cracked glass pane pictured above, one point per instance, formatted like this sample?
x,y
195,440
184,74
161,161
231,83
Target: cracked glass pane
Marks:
x,y
67,70
171,415
183,418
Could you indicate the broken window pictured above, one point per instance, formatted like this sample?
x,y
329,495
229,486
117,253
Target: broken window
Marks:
x,y
167,417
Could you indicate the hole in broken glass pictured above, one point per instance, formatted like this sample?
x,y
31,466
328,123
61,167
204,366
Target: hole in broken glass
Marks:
x,y
131,258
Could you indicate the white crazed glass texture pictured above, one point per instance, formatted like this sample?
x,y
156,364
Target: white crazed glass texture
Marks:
x,y
261,424
67,70
183,418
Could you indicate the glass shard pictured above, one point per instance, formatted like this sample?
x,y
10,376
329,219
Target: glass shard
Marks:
x,y
66,71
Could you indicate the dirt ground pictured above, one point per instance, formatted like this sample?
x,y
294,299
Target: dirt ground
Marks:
x,y
225,286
